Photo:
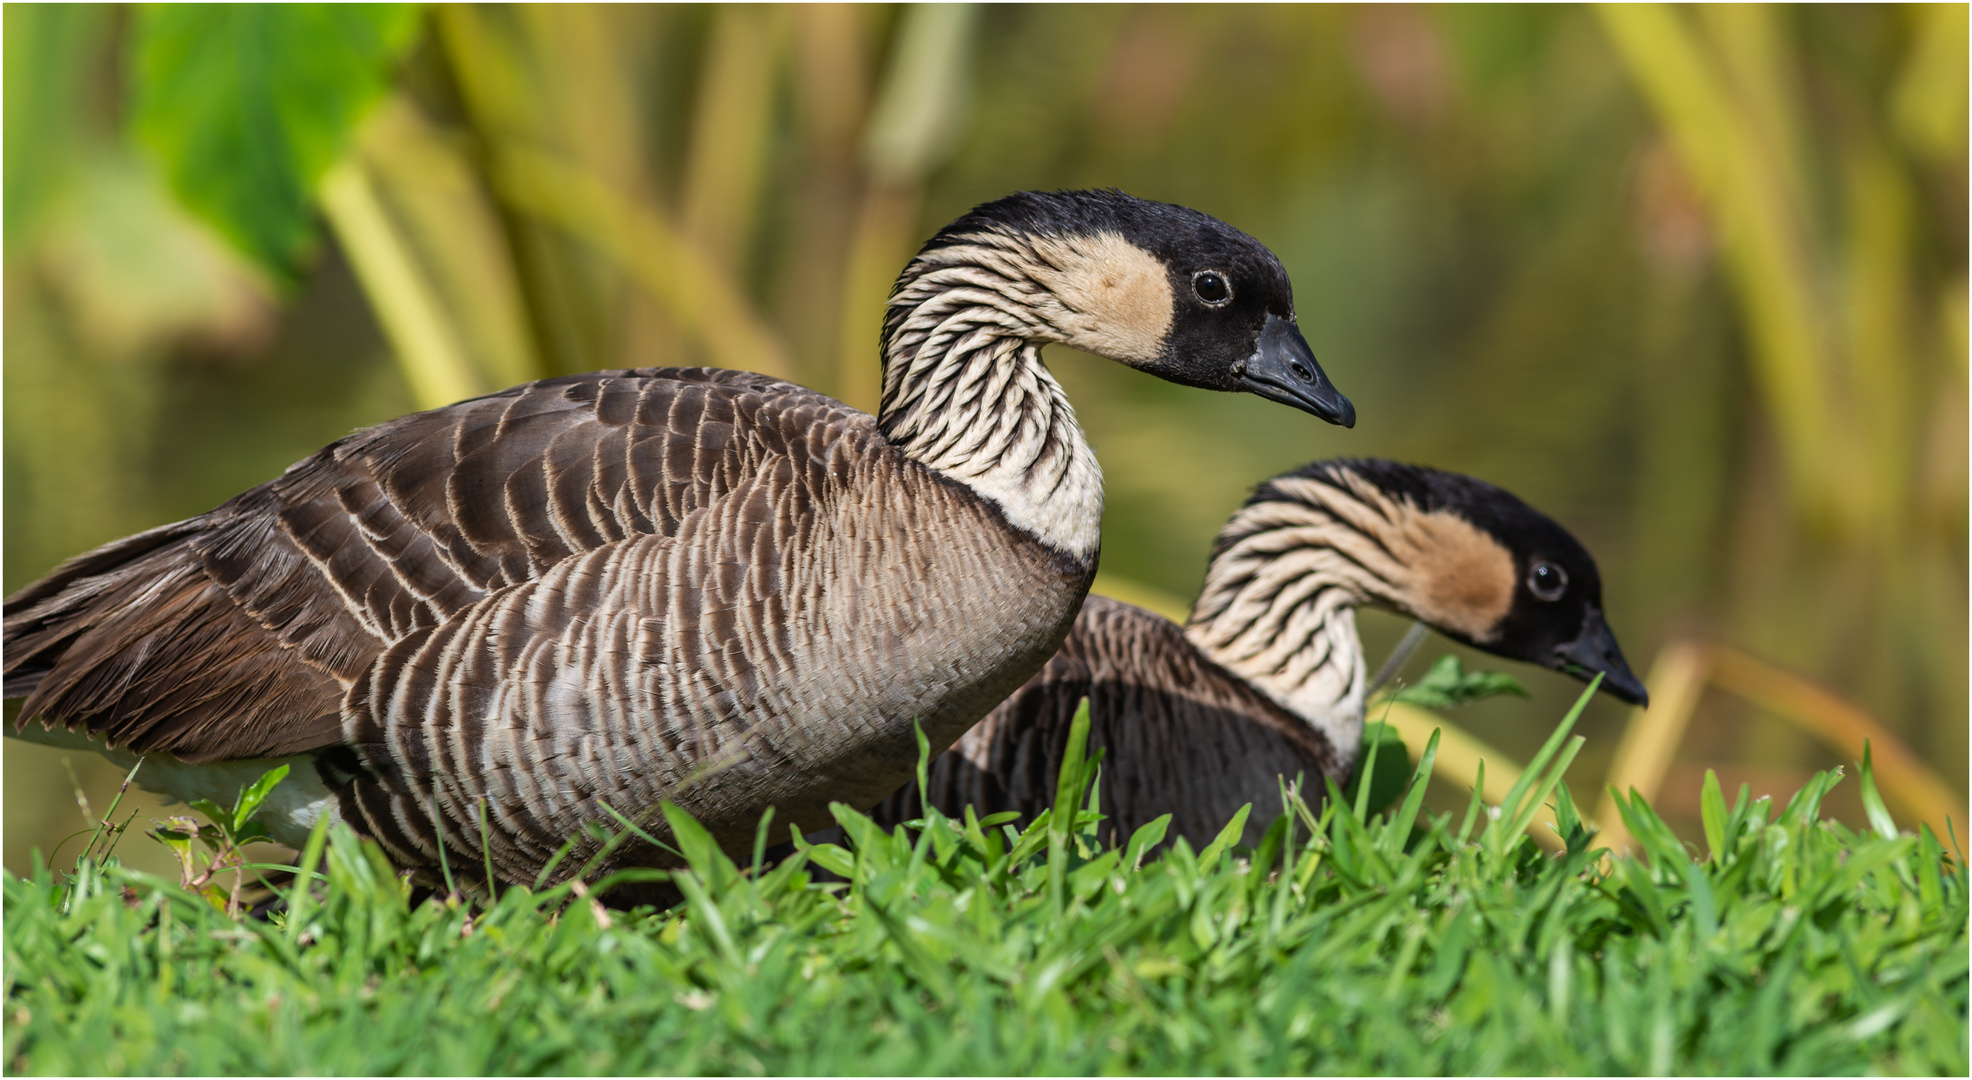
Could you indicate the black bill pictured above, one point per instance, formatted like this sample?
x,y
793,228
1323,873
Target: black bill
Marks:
x,y
1283,369
1596,651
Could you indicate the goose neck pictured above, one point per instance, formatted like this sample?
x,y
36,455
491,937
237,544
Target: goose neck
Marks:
x,y
965,393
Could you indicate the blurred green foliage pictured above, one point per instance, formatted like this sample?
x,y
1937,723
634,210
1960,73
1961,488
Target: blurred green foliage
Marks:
x,y
1447,685
245,107
1693,281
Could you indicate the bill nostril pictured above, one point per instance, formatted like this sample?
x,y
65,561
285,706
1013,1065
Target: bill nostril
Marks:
x,y
1300,371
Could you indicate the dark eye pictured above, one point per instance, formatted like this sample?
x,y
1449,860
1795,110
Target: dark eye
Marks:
x,y
1212,287
1547,581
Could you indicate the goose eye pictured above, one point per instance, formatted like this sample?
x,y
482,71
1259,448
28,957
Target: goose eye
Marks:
x,y
1211,287
1547,581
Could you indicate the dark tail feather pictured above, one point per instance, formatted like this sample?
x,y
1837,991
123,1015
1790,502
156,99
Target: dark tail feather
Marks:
x,y
135,643
21,685
110,556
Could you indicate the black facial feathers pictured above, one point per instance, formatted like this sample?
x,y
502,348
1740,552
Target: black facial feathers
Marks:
x,y
1232,324
1178,235
1520,528
1184,239
1560,628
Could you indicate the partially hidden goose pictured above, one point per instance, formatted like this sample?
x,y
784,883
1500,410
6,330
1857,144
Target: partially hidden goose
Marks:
x,y
1266,680
490,625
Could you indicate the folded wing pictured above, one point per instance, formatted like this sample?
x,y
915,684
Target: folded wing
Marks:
x,y
238,633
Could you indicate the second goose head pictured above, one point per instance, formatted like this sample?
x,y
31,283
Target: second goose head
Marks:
x,y
1468,558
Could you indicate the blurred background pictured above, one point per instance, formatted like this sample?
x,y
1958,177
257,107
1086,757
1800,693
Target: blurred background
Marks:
x,y
1692,281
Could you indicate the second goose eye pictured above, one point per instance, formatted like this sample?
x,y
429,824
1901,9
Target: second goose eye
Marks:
x,y
1547,581
1211,287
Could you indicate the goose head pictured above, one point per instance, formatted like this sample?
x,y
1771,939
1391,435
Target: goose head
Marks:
x,y
1162,288
1468,558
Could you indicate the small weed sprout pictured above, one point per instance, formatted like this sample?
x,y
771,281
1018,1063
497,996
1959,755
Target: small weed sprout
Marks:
x,y
207,850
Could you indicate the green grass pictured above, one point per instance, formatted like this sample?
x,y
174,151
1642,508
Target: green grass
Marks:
x,y
1397,942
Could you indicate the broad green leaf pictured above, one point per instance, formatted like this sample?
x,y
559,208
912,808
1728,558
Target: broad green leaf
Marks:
x,y
872,845
247,105
212,811
705,911
255,794
974,834
179,843
1448,685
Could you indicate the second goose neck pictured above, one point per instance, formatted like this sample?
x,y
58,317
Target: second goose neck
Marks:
x,y
1288,627
965,393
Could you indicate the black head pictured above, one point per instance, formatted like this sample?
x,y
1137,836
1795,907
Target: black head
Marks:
x,y
1163,288
1488,569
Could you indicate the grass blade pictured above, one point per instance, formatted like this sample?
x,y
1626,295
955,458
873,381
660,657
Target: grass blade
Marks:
x,y
1364,773
1516,825
1711,809
1398,829
1473,808
1872,802
1528,776
1067,796
304,878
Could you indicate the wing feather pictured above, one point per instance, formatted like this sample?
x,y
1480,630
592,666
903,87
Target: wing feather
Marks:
x,y
237,633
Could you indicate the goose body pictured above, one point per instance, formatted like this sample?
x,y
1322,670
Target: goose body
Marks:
x,y
1266,682
492,624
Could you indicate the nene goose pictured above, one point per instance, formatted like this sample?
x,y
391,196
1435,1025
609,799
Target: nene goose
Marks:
x,y
1266,680
489,625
